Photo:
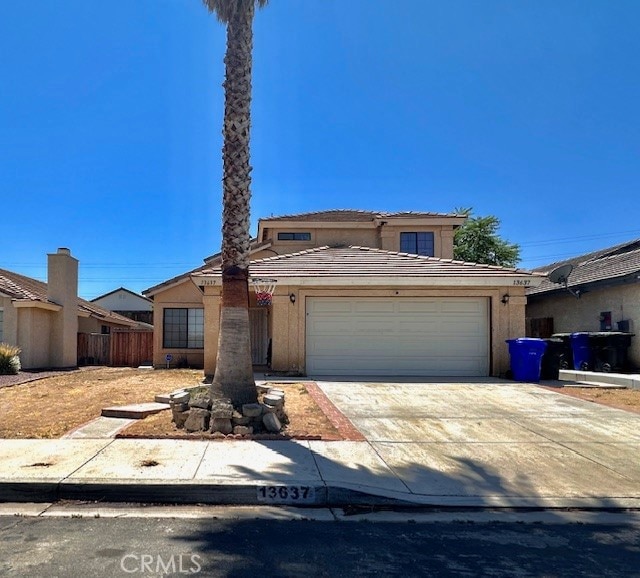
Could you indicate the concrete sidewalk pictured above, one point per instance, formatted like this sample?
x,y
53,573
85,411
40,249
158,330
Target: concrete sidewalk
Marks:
x,y
489,444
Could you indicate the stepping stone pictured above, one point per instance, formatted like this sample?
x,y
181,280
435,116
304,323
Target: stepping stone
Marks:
x,y
163,398
100,428
135,411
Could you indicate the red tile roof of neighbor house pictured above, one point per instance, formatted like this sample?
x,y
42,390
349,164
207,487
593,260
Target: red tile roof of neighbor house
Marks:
x,y
349,215
613,263
24,288
365,262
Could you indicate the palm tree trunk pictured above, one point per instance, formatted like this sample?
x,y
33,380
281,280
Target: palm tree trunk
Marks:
x,y
234,372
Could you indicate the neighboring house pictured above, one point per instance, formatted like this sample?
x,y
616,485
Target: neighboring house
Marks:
x,y
44,319
128,304
602,294
359,293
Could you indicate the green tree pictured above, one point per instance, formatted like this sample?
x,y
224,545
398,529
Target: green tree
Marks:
x,y
477,241
234,371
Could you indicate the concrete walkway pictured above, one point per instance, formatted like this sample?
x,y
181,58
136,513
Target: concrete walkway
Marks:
x,y
475,444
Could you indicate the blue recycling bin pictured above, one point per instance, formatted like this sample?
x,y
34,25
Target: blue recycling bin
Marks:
x,y
526,358
581,348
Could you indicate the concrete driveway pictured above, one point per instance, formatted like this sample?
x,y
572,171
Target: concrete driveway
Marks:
x,y
495,442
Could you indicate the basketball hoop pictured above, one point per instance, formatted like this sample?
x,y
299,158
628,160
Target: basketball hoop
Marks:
x,y
264,290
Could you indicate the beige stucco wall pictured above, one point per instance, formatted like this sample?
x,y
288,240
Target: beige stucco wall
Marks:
x,y
10,321
34,337
571,314
386,237
183,295
442,238
94,325
62,288
287,320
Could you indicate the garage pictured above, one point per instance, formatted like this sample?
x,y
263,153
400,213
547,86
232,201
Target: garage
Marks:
x,y
397,336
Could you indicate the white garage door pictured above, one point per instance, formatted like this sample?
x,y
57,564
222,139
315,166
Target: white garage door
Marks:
x,y
397,336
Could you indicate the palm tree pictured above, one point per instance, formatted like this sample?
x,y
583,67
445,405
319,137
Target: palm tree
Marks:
x,y
234,372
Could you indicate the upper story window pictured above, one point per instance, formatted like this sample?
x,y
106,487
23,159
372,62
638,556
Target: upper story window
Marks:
x,y
417,243
183,328
294,236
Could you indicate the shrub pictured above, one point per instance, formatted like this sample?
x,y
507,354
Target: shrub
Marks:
x,y
9,360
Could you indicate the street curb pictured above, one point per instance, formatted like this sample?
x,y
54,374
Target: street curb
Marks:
x,y
255,494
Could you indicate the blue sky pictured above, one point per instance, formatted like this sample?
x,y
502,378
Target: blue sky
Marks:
x,y
110,124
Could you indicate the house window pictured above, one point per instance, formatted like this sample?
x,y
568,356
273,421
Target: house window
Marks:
x,y
1,325
417,243
183,328
294,236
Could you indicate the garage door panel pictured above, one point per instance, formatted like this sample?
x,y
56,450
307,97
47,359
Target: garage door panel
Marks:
x,y
462,306
330,306
413,307
374,306
398,336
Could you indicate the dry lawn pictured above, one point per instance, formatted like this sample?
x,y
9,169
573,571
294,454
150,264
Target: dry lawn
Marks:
x,y
53,406
306,420
627,399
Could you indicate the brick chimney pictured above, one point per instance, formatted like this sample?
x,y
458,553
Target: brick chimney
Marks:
x,y
62,289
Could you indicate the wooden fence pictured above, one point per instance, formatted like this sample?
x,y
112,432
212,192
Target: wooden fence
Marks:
x,y
539,327
118,349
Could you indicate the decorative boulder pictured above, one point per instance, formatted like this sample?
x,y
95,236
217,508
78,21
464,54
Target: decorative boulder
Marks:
x,y
198,420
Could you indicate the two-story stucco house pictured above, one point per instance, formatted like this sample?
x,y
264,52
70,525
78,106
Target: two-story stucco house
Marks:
x,y
358,293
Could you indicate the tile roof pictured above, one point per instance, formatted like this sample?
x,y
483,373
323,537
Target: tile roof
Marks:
x,y
350,215
603,265
132,293
27,289
365,262
210,261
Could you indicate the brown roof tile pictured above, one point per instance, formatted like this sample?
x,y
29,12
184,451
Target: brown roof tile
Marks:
x,y
365,262
351,215
25,288
607,264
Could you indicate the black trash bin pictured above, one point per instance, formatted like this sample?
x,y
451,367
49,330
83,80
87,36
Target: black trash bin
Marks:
x,y
609,350
557,356
566,361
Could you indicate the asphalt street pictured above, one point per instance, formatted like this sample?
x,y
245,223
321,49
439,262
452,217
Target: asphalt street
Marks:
x,y
77,547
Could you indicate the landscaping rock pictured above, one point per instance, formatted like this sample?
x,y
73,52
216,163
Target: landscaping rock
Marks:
x,y
222,425
180,397
271,422
201,401
198,420
252,409
273,400
180,418
263,388
239,419
275,391
242,430
221,409
179,406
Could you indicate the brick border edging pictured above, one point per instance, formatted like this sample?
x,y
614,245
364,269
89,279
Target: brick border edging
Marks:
x,y
346,429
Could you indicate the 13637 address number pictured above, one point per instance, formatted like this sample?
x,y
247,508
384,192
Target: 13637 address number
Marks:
x,y
287,494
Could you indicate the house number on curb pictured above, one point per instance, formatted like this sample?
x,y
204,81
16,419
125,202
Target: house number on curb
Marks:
x,y
286,494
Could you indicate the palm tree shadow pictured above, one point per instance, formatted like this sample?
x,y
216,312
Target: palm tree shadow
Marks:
x,y
247,546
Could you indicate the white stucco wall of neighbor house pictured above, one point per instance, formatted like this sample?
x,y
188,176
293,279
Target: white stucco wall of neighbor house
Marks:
x,y
571,314
124,301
